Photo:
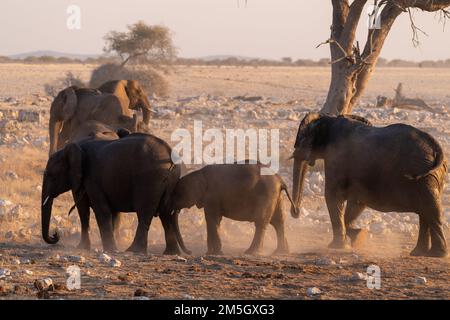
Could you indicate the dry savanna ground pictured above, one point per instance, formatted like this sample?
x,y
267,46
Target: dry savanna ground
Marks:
x,y
207,94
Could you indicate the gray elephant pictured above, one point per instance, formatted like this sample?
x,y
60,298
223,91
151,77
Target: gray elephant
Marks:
x,y
235,191
131,174
130,94
395,168
73,106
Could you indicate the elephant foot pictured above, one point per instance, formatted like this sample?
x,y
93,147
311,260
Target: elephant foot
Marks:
x,y
137,249
214,252
419,252
172,251
357,237
437,253
339,244
253,252
84,245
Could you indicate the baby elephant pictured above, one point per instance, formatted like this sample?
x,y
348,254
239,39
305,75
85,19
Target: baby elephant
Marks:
x,y
239,192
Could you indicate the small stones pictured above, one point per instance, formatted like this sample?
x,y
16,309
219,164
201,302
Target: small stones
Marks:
x,y
325,261
115,263
76,259
421,280
5,273
28,272
44,284
358,276
104,258
180,259
314,291
11,175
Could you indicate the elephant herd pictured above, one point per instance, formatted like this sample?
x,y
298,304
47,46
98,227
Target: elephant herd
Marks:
x,y
99,152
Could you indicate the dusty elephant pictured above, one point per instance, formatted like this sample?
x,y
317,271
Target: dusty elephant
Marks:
x,y
238,192
130,94
95,172
73,106
395,168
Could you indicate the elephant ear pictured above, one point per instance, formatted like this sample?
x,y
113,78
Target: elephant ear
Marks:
x,y
74,156
306,122
69,103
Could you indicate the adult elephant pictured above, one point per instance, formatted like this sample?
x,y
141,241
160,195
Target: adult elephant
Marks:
x,y
95,172
89,131
394,168
73,106
130,94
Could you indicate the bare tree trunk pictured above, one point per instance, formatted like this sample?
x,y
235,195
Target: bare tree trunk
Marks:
x,y
352,69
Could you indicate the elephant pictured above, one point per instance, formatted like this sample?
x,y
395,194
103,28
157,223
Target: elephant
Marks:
x,y
237,191
130,94
73,106
394,168
131,174
95,130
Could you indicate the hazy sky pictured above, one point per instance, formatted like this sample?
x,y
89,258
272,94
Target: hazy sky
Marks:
x,y
265,28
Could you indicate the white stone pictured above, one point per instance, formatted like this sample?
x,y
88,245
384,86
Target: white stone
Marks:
x,y
180,259
43,284
4,273
421,280
115,263
104,258
359,276
325,261
314,291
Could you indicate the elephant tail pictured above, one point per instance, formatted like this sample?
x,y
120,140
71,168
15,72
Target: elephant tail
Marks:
x,y
439,161
285,188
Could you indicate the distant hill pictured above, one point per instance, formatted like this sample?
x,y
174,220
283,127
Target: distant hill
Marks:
x,y
54,54
225,57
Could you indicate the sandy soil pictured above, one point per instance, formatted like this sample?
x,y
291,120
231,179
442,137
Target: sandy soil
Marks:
x,y
206,93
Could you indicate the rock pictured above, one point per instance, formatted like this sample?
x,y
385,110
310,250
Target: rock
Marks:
x,y
44,284
104,258
180,259
76,259
28,272
358,276
29,116
325,261
141,293
5,273
188,297
421,280
11,175
314,291
15,262
115,263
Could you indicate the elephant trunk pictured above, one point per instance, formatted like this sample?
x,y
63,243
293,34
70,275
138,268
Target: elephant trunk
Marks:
x,y
46,212
299,173
54,130
178,233
146,111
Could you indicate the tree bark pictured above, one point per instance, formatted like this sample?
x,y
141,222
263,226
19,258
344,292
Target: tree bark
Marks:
x,y
351,69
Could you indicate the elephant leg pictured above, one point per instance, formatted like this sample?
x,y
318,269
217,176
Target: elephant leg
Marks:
x,y
352,211
277,222
103,215
140,239
169,234
438,243
85,213
335,206
424,240
116,218
258,239
213,219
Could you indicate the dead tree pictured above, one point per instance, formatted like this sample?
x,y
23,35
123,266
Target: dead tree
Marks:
x,y
400,101
352,66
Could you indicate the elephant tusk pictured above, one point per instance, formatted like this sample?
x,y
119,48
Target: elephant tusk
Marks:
x,y
45,201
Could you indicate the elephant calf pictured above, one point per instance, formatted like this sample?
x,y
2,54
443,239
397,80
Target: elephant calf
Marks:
x,y
238,192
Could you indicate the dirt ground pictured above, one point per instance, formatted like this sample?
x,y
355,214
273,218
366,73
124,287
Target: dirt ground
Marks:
x,y
208,94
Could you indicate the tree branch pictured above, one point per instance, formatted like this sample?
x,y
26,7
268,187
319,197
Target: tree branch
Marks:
x,y
348,35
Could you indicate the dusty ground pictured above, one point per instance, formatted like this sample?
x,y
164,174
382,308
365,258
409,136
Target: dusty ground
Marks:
x,y
207,94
